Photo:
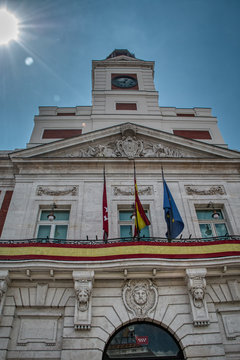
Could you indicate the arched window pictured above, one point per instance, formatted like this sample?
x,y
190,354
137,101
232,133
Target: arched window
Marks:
x,y
142,340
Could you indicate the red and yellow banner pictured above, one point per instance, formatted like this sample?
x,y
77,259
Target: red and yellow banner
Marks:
x,y
121,250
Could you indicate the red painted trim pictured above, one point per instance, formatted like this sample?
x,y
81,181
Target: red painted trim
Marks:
x,y
60,133
193,134
4,209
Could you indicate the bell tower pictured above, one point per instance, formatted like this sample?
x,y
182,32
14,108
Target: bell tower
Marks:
x,y
123,85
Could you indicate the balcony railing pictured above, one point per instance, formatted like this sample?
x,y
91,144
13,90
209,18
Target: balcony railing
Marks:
x,y
98,241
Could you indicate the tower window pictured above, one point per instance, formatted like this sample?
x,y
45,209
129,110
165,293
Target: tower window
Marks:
x,y
60,133
126,106
193,134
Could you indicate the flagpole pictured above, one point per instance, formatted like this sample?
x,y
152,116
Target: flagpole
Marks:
x,y
105,209
135,204
168,225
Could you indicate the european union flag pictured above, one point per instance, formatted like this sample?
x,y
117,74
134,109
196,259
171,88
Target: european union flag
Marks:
x,y
173,219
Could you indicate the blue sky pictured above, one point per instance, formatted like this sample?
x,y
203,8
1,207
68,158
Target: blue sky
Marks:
x,y
195,45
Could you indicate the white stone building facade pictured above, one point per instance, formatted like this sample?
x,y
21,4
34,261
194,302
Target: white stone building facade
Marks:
x,y
67,294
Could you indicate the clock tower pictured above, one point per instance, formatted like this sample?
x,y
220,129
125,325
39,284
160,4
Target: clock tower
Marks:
x,y
123,85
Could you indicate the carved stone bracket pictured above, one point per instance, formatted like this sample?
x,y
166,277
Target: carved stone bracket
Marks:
x,y
4,280
140,297
57,190
205,190
196,289
83,284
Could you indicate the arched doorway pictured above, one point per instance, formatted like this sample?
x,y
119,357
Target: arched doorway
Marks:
x,y
142,341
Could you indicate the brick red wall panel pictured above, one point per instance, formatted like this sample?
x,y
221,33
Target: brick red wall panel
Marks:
x,y
4,209
126,106
193,134
60,133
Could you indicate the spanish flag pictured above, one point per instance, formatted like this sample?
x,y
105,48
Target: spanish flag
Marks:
x,y
141,219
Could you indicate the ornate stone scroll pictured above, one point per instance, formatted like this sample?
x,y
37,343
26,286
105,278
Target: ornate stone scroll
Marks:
x,y
196,289
128,146
205,190
57,190
140,297
4,280
83,283
128,190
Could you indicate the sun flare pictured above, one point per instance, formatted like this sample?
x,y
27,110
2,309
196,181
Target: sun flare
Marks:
x,y
8,27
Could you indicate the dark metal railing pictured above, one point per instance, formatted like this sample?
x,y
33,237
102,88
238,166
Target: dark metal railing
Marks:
x,y
97,241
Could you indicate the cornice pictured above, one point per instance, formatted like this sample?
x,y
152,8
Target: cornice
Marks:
x,y
157,269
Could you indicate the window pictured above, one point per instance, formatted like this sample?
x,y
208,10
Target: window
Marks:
x,y
127,224
56,229
142,340
126,106
212,223
193,134
60,133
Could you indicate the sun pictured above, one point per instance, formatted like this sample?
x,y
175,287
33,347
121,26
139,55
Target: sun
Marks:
x,y
8,27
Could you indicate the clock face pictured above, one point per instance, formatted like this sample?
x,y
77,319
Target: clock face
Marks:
x,y
124,81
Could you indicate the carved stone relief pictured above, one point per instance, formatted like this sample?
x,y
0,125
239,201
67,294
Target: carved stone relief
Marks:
x,y
83,283
197,288
128,146
57,190
128,130
140,297
128,190
205,190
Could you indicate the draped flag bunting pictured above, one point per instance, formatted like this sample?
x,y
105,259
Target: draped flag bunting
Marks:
x,y
214,249
141,219
173,219
105,209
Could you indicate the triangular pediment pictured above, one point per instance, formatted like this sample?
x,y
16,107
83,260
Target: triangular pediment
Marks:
x,y
127,141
